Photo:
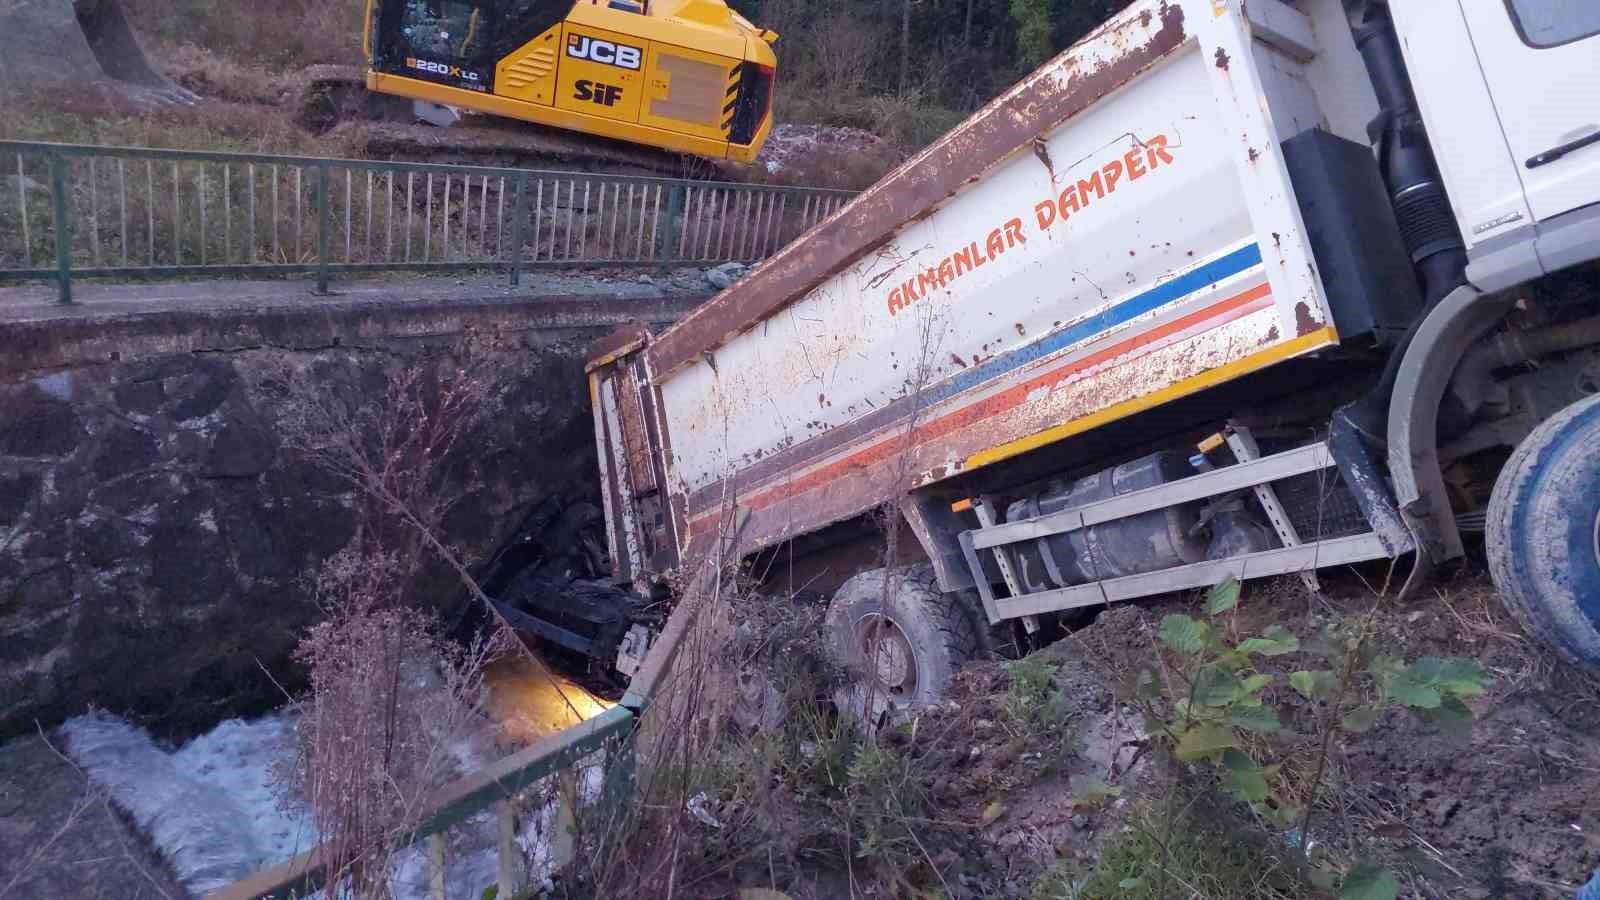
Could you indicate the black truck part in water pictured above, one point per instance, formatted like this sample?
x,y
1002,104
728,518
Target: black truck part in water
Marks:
x,y
551,582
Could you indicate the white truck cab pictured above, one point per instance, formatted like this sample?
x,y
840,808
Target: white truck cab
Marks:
x,y
1508,91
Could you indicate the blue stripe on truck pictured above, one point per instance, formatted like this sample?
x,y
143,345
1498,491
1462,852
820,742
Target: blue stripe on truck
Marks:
x,y
1195,279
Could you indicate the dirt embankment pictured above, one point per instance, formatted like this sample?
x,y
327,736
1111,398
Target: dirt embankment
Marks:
x,y
1508,812
1043,778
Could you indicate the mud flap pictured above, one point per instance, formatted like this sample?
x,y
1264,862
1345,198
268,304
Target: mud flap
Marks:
x,y
1366,484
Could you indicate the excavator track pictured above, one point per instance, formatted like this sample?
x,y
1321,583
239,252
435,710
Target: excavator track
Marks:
x,y
334,100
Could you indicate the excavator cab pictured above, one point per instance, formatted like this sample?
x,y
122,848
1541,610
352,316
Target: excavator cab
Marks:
x,y
690,76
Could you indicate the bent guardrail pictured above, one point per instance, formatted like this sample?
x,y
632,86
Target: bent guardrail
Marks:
x,y
492,787
498,785
77,211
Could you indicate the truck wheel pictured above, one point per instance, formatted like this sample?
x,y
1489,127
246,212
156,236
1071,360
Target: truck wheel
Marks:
x,y
1544,532
905,646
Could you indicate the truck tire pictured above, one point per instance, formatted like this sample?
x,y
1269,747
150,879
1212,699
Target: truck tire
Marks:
x,y
1544,532
922,634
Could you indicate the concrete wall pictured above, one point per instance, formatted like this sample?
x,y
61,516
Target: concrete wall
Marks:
x,y
155,534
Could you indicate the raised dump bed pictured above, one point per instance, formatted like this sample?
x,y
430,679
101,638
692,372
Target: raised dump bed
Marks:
x,y
1161,313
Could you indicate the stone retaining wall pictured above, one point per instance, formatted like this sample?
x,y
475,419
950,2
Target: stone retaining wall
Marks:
x,y
155,534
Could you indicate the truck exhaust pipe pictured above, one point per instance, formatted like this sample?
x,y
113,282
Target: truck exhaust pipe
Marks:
x,y
1416,189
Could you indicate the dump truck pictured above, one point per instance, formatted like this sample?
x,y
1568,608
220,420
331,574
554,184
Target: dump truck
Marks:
x,y
1227,288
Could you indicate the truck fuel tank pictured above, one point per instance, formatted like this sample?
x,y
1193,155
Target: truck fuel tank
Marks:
x,y
1154,540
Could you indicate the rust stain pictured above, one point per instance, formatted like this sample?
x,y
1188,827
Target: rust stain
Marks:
x,y
1043,152
981,429
1222,59
623,340
1254,153
1272,334
1304,324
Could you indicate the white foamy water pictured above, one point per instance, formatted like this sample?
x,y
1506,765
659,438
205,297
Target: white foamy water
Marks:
x,y
212,806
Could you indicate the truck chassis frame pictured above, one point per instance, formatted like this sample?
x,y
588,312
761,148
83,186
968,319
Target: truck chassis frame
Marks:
x,y
1254,474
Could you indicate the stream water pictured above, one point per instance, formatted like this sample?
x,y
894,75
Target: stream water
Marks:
x,y
212,806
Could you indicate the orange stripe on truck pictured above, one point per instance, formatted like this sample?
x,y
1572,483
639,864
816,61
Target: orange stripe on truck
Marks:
x,y
1241,304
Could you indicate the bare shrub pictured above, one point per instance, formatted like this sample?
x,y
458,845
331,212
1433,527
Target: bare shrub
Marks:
x,y
395,448
840,54
389,697
389,694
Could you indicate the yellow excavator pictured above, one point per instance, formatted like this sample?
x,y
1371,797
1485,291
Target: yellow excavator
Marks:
x,y
689,76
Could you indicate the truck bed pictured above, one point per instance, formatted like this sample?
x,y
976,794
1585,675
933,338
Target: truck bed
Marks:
x,y
1117,231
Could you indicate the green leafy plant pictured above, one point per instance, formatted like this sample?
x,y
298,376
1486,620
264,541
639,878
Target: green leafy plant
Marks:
x,y
1033,697
1211,707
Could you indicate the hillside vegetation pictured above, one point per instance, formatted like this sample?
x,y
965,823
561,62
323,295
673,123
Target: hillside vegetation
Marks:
x,y
909,70
904,70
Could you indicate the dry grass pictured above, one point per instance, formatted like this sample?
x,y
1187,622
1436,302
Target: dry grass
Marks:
x,y
389,698
215,75
284,35
906,122
100,114
1209,857
243,63
801,803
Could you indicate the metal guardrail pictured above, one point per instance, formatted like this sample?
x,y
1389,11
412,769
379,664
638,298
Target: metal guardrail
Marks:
x,y
69,210
497,786
493,787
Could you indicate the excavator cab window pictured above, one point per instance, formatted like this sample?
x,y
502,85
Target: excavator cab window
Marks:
x,y
523,20
447,41
447,30
458,42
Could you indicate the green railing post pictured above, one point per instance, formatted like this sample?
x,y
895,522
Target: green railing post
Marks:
x,y
63,225
619,781
519,212
324,226
672,235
